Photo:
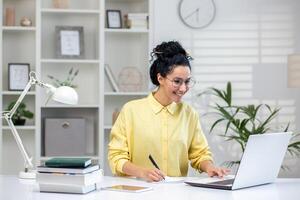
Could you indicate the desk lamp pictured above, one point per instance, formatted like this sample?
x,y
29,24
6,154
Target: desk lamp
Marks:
x,y
63,94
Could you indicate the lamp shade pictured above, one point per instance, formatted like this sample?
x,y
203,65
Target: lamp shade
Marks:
x,y
66,95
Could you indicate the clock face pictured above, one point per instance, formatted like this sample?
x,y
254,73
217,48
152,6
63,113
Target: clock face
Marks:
x,y
197,13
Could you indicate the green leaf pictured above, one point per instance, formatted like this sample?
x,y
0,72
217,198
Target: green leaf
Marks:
x,y
215,123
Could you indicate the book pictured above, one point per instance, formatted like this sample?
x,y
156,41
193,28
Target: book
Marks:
x,y
69,178
68,162
63,188
127,188
76,170
111,78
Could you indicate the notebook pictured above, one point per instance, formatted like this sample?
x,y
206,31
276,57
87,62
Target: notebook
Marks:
x,y
260,163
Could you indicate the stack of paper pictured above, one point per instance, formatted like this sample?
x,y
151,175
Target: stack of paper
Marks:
x,y
63,175
137,20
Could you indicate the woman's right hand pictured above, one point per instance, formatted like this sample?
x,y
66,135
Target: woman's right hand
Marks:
x,y
152,175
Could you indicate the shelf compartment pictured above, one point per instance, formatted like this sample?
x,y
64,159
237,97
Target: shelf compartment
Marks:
x,y
87,81
91,116
90,34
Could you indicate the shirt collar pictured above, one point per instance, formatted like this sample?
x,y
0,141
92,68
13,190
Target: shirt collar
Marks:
x,y
157,107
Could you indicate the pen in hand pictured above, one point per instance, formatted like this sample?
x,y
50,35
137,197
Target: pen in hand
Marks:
x,y
154,163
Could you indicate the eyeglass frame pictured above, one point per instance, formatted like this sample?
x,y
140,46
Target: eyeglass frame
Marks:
x,y
191,80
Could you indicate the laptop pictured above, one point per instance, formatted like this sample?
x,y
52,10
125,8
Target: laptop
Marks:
x,y
260,163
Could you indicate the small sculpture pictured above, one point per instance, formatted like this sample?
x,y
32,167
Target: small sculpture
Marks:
x,y
25,21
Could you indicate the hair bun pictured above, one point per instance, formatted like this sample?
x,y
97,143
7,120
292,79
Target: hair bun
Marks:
x,y
169,49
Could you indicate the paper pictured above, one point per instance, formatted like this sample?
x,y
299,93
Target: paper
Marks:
x,y
169,179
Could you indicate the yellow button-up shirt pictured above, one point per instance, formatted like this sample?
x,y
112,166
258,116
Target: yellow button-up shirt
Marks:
x,y
171,134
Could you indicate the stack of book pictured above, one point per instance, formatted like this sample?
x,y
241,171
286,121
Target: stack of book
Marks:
x,y
69,175
136,20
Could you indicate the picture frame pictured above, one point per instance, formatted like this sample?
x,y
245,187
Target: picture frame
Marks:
x,y
18,76
111,78
114,18
69,42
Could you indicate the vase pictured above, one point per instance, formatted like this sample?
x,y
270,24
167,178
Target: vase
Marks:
x,y
60,3
19,122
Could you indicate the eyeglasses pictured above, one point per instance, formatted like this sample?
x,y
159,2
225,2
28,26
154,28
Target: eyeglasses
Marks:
x,y
177,82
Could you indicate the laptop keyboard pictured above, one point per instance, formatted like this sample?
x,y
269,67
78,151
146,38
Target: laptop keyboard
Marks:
x,y
224,182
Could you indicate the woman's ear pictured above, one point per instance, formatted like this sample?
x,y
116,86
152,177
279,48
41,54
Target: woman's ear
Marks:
x,y
160,79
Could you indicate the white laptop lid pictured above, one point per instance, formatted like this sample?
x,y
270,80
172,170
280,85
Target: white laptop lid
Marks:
x,y
262,159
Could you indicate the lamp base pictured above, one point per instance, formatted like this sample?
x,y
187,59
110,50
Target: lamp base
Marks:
x,y
27,175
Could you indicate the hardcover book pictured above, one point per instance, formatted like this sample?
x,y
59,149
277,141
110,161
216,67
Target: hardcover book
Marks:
x,y
70,179
68,162
77,170
63,188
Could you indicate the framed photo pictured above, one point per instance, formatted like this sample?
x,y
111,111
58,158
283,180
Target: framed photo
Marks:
x,y
113,19
18,76
69,42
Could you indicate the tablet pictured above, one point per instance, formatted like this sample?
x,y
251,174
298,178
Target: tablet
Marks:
x,y
127,188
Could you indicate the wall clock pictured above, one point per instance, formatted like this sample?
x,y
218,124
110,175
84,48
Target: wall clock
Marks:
x,y
197,13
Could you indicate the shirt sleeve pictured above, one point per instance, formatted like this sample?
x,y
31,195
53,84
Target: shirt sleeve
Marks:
x,y
118,151
199,150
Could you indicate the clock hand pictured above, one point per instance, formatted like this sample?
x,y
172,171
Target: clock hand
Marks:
x,y
192,13
197,15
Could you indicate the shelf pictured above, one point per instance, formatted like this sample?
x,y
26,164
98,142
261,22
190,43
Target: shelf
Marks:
x,y
67,11
20,127
16,93
111,30
70,106
126,93
18,28
70,61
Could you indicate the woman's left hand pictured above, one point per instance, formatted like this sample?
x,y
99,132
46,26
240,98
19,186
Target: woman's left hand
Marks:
x,y
212,170
217,171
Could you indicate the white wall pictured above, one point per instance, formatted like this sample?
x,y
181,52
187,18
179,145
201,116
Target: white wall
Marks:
x,y
246,44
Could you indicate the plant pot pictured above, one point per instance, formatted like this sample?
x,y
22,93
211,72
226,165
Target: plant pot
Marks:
x,y
19,122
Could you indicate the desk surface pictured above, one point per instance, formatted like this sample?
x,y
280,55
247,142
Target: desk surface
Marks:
x,y
12,188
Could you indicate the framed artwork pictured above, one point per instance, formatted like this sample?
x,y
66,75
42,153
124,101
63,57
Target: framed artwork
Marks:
x,y
18,76
113,19
69,42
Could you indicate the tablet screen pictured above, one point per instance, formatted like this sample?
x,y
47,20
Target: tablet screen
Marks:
x,y
127,188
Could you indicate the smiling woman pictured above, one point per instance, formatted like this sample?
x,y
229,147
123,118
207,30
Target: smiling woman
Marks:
x,y
161,125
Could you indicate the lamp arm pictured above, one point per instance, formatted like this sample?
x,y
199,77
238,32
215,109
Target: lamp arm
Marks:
x,y
28,160
8,117
21,97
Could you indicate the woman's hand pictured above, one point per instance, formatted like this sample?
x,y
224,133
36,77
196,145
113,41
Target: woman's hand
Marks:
x,y
143,173
217,171
152,175
211,170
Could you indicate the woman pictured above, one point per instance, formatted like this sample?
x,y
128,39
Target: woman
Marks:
x,y
161,125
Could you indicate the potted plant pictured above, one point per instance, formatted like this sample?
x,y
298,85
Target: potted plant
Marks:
x,y
242,121
19,117
68,81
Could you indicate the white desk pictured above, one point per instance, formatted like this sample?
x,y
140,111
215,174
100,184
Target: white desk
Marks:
x,y
12,188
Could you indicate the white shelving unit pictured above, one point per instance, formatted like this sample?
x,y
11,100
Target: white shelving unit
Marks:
x,y
119,48
17,45
132,47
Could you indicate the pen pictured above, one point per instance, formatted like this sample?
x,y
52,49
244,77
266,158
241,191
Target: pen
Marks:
x,y
154,163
